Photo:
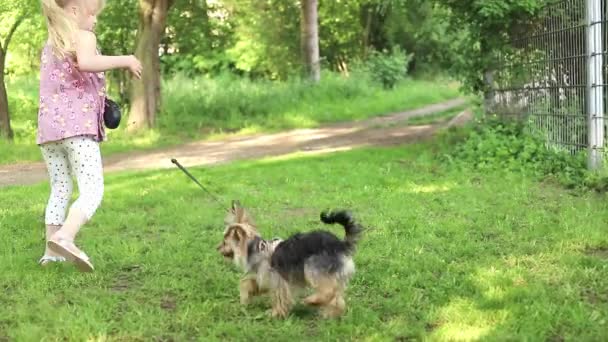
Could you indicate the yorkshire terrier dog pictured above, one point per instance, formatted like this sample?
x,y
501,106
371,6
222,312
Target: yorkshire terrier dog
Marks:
x,y
240,230
317,260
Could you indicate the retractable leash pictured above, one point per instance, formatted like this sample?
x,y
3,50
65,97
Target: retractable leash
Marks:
x,y
215,197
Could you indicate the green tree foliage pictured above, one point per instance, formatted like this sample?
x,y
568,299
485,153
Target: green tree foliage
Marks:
x,y
14,14
266,37
486,28
198,34
261,38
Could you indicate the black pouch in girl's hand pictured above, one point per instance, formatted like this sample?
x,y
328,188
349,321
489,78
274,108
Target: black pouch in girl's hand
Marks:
x,y
111,114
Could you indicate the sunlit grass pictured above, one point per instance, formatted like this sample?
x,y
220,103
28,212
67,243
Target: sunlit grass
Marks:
x,y
448,255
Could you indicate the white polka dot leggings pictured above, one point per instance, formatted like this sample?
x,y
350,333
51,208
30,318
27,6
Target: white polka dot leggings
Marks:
x,y
80,157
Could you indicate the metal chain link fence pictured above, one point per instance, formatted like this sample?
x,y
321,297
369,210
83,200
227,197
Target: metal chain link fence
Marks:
x,y
553,77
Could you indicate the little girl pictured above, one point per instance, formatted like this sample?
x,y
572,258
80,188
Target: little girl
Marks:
x,y
70,121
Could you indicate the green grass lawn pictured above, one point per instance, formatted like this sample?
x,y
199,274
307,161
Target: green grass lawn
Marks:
x,y
202,108
449,255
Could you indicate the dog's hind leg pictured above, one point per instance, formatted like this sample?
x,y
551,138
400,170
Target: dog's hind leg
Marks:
x,y
335,308
325,286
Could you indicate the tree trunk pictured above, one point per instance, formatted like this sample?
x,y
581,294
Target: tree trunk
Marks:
x,y
146,99
309,27
5,122
367,31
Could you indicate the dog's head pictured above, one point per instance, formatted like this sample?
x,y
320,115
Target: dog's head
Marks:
x,y
239,230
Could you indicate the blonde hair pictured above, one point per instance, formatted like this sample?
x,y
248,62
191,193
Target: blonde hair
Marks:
x,y
61,26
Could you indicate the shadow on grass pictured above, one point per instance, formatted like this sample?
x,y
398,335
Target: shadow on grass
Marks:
x,y
452,256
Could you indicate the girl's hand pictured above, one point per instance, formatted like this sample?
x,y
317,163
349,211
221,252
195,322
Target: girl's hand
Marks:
x,y
134,66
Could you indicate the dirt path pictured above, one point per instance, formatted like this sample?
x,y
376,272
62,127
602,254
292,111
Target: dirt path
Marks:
x,y
386,130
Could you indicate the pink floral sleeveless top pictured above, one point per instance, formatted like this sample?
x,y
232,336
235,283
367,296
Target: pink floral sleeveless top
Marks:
x,y
71,101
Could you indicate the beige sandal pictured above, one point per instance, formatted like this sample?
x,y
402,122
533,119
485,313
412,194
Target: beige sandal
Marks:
x,y
68,250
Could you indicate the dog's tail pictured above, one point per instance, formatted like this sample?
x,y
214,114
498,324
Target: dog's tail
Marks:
x,y
351,227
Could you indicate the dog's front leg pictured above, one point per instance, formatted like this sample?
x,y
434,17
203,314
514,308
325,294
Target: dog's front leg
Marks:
x,y
248,288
